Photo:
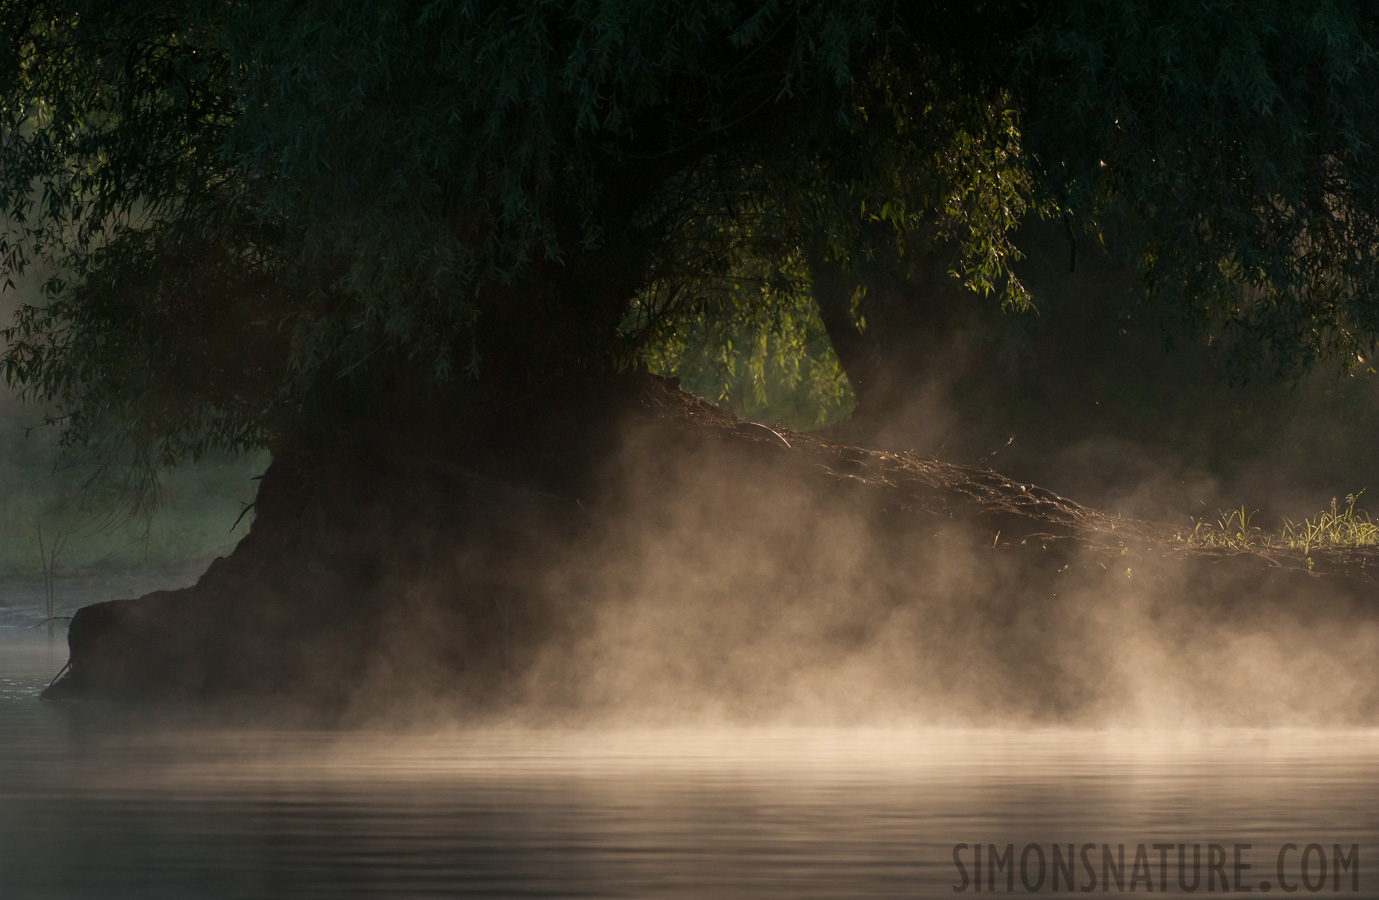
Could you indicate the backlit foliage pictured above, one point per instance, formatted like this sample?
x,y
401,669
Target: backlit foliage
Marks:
x,y
249,200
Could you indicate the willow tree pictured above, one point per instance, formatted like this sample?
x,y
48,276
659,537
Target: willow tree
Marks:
x,y
254,206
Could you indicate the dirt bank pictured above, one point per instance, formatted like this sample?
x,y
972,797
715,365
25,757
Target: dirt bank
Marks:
x,y
617,547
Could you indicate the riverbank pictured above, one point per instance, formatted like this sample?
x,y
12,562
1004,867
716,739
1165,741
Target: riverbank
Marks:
x,y
625,548
22,596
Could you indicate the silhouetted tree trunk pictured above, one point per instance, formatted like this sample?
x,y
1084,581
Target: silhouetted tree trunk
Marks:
x,y
834,289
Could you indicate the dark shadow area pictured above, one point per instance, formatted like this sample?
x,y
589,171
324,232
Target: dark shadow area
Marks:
x,y
617,549
1104,395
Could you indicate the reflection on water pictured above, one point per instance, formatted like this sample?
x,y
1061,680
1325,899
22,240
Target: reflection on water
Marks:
x,y
93,807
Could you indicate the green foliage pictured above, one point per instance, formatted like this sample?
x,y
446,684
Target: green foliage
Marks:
x,y
1239,138
770,362
1339,528
197,508
314,190
251,203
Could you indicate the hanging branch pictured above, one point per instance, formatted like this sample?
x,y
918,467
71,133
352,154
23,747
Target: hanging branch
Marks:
x,y
48,558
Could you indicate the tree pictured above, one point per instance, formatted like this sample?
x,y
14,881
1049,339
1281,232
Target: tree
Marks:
x,y
254,207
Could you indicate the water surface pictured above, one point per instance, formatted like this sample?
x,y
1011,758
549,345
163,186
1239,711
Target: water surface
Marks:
x,y
94,805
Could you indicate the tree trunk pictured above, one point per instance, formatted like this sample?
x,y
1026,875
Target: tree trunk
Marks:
x,y
834,289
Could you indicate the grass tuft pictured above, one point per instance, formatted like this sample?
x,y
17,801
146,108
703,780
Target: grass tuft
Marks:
x,y
1342,527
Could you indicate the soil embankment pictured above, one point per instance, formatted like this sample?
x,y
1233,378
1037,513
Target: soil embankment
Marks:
x,y
625,548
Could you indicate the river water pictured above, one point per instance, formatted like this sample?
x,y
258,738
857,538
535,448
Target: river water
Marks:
x,y
95,803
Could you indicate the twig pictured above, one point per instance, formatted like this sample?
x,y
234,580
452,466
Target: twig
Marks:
x,y
60,672
244,512
51,619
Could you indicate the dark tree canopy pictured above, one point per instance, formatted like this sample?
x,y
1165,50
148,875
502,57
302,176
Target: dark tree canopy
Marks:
x,y
247,203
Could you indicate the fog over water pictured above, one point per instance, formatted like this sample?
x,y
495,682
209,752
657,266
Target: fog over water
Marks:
x,y
799,704
97,804
714,593
626,646
687,772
